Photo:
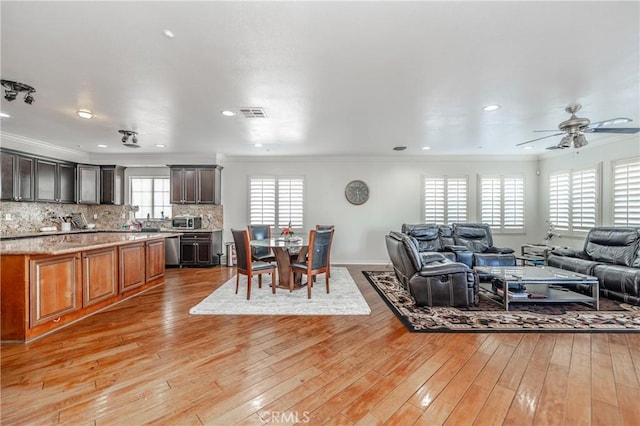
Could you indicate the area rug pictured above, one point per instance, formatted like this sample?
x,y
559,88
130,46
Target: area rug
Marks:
x,y
613,316
344,298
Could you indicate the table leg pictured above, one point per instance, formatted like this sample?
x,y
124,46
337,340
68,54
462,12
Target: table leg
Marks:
x,y
283,262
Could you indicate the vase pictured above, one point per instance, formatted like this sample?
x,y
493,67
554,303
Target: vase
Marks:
x,y
287,238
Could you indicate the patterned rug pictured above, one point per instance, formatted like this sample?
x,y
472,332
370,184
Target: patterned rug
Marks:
x,y
344,298
488,316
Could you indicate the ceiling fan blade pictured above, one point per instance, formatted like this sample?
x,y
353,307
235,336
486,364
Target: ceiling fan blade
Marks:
x,y
609,122
626,130
554,147
544,137
539,131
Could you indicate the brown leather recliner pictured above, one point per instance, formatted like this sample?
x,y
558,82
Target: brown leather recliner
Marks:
x,y
429,277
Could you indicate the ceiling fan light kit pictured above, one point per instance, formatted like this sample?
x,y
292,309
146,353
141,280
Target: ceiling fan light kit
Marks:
x,y
575,127
126,134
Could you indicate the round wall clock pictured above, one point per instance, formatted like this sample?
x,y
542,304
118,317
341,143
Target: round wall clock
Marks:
x,y
357,192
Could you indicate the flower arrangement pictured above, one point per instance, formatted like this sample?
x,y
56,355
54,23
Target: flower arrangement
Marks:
x,y
288,231
550,231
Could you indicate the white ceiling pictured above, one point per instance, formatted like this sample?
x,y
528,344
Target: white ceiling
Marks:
x,y
334,78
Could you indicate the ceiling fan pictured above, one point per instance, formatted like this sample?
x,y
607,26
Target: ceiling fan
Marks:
x,y
574,129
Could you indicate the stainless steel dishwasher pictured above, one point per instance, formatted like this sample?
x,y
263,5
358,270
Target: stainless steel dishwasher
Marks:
x,y
172,251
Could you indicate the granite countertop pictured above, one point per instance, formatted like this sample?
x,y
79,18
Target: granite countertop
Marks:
x,y
73,242
94,231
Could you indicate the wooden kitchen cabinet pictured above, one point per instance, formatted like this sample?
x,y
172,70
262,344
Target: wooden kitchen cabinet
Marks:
x,y
55,181
112,185
17,177
99,276
88,184
132,266
195,184
54,288
155,263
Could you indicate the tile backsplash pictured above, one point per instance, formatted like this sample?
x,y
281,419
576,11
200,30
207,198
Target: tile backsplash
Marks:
x,y
25,218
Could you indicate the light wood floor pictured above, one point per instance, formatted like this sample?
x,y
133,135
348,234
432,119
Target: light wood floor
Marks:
x,y
148,361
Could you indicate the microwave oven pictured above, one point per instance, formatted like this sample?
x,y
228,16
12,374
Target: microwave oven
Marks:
x,y
186,222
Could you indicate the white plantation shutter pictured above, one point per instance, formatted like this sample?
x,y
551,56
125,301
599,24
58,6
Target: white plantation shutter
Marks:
x,y
573,199
626,192
290,202
583,199
513,211
262,201
280,198
445,200
559,201
502,202
490,201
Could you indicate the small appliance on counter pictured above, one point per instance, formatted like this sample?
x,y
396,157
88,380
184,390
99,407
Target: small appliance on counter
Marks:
x,y
186,222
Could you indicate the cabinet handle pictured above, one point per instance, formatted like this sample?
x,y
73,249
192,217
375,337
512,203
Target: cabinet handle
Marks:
x,y
57,319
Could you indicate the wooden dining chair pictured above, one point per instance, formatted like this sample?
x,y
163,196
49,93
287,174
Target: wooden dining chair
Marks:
x,y
324,228
318,259
261,232
246,266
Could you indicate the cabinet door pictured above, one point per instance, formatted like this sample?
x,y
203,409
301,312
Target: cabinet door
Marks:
x,y
24,179
66,183
118,186
54,288
99,278
131,261
88,184
207,192
176,178
46,181
204,253
190,186
187,253
155,259
8,164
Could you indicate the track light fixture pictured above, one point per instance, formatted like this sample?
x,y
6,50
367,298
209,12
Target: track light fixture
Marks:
x,y
126,134
12,88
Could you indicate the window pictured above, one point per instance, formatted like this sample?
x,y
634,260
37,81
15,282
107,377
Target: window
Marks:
x,y
276,201
151,195
626,192
502,202
445,200
573,199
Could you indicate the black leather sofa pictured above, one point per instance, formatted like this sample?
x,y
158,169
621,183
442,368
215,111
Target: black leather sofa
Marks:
x,y
612,255
468,243
430,278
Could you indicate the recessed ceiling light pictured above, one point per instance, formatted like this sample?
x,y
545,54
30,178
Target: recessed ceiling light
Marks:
x,y
258,145
102,146
491,107
3,115
528,147
84,113
426,148
160,145
228,113
168,33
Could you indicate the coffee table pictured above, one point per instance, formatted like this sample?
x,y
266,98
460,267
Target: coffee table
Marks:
x,y
549,284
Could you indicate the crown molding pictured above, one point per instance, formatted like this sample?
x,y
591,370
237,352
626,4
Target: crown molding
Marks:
x,y
41,148
154,160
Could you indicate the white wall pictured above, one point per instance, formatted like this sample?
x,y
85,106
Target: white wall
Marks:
x,y
395,196
595,154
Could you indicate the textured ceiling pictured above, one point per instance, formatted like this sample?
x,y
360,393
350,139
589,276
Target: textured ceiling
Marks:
x,y
334,78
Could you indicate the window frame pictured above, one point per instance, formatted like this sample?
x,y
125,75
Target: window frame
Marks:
x,y
502,228
277,224
153,195
572,229
445,201
626,162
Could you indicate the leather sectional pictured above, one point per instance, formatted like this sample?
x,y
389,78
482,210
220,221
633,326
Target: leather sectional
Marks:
x,y
612,255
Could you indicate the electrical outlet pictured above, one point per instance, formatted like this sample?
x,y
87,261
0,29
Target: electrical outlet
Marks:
x,y
209,216
95,216
7,216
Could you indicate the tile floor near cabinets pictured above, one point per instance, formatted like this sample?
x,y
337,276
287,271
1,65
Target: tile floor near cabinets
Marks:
x,y
147,360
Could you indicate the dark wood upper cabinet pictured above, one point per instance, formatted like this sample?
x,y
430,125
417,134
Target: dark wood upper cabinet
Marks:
x,y
88,184
17,183
112,185
195,184
55,181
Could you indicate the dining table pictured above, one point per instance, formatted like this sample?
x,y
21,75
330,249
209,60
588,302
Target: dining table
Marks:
x,y
285,250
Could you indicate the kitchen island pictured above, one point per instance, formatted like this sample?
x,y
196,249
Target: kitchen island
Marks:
x,y
53,281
